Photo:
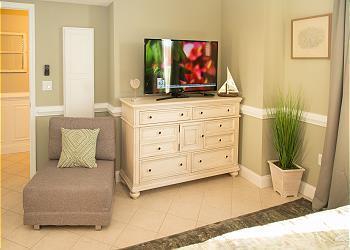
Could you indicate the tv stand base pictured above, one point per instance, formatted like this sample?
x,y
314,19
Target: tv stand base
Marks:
x,y
173,95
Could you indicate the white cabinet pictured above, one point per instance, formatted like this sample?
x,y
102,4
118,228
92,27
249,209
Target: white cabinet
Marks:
x,y
14,122
172,141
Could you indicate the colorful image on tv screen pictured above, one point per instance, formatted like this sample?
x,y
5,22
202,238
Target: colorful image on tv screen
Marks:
x,y
186,65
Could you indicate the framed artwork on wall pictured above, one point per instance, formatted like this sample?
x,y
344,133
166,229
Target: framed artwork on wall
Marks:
x,y
311,37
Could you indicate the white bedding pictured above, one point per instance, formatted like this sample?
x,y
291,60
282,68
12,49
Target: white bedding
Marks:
x,y
323,230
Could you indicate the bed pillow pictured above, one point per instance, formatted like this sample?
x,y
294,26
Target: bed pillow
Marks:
x,y
78,148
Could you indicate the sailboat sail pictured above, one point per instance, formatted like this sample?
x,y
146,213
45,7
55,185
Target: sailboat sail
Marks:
x,y
229,88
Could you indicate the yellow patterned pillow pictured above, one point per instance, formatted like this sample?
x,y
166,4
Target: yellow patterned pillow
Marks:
x,y
78,148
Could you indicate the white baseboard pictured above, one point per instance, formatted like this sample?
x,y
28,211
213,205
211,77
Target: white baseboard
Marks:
x,y
265,181
260,181
257,180
307,190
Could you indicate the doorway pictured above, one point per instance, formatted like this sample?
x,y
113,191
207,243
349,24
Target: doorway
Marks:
x,y
17,72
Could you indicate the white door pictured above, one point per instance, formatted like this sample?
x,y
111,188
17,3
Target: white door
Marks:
x,y
78,72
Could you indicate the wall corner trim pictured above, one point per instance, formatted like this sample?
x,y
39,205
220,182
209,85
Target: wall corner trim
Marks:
x,y
308,117
58,110
114,111
265,181
254,112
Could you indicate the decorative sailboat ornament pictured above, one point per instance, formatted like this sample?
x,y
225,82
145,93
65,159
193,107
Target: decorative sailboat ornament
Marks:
x,y
229,88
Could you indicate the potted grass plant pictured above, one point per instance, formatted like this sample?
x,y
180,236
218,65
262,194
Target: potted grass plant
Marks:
x,y
287,140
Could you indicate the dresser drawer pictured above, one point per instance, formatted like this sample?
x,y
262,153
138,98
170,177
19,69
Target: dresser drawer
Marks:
x,y
214,111
218,141
212,159
160,168
160,148
219,126
172,115
159,133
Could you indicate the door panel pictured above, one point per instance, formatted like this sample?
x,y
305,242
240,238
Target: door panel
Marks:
x,y
191,136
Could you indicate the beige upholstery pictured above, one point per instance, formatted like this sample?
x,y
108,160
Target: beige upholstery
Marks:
x,y
73,196
105,149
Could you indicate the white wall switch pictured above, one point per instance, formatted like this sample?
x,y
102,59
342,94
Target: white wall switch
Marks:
x,y
46,85
319,159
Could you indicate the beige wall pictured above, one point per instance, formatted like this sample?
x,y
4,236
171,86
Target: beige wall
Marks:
x,y
135,20
311,76
254,38
243,47
15,21
256,45
250,144
50,18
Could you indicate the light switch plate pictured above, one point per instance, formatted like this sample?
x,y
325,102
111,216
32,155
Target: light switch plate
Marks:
x,y
46,85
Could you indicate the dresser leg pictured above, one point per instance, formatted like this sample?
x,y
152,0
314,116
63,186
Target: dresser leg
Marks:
x,y
134,195
234,174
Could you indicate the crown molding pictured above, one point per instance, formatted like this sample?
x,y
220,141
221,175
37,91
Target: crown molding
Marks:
x,y
308,117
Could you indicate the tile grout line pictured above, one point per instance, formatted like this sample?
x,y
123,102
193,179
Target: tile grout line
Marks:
x,y
167,212
15,242
200,208
127,224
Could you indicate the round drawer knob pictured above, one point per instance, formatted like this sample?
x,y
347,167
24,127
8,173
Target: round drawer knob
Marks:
x,y
202,136
150,117
149,170
201,113
220,140
160,132
159,148
182,114
220,125
180,164
200,161
228,110
226,156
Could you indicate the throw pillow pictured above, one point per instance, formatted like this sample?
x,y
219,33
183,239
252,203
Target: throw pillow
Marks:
x,y
78,148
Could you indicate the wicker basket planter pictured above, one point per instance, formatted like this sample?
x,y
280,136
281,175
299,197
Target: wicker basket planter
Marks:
x,y
286,182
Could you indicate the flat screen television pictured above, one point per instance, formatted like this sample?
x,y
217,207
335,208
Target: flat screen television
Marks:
x,y
173,66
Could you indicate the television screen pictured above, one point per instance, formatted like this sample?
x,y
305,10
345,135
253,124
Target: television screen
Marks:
x,y
173,65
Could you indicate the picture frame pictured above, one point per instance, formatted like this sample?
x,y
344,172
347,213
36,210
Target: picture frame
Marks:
x,y
311,37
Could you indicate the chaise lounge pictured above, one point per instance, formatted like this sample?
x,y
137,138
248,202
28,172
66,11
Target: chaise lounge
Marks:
x,y
73,196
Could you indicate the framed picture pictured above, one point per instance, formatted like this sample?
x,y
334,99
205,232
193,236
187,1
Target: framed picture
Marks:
x,y
311,37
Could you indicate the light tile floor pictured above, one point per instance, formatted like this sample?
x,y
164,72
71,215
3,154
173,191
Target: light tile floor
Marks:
x,y
156,213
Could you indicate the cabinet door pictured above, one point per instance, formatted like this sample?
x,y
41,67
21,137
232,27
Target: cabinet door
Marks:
x,y
191,136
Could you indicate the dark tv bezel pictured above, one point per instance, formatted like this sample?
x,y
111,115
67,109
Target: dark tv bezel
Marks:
x,y
175,90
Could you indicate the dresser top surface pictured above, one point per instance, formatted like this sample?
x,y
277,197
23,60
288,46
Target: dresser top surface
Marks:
x,y
151,100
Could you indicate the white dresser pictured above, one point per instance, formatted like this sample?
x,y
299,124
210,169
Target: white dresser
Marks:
x,y
177,140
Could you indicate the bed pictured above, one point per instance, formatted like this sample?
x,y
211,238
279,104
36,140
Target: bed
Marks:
x,y
323,230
